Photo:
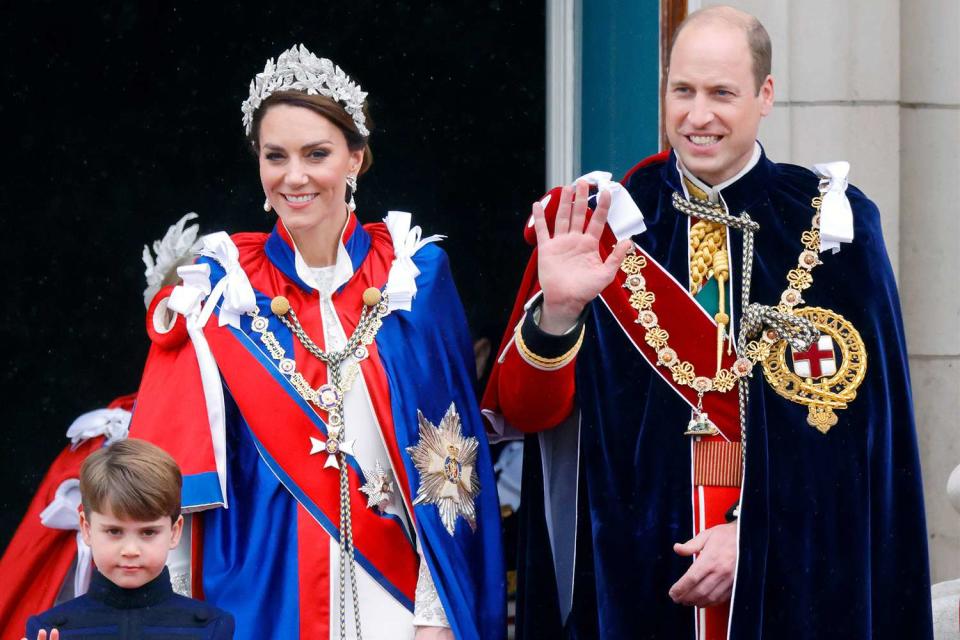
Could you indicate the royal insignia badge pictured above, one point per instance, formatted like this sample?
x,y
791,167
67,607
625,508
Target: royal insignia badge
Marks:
x,y
446,462
379,488
701,425
333,446
817,362
816,380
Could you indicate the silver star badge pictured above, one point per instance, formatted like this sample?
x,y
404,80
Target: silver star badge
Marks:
x,y
332,446
447,462
379,488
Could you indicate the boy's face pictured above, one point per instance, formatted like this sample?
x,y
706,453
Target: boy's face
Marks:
x,y
129,553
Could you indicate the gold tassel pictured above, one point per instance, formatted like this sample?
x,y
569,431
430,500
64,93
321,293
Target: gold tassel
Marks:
x,y
721,271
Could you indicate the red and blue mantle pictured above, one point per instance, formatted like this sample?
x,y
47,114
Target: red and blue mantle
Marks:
x,y
421,359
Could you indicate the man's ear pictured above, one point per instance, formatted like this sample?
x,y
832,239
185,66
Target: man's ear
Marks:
x,y
766,96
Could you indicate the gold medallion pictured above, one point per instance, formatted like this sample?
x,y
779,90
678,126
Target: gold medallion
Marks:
x,y
826,376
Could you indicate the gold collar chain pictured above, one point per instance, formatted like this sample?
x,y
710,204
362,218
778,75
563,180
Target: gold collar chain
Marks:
x,y
642,300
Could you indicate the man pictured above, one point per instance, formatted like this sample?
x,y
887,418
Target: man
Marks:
x,y
739,470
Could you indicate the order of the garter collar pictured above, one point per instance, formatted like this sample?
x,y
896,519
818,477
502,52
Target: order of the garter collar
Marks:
x,y
297,69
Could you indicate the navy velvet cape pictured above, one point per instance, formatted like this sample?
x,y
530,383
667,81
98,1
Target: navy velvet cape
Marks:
x,y
832,534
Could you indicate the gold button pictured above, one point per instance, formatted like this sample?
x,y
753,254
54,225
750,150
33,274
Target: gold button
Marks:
x,y
280,306
371,297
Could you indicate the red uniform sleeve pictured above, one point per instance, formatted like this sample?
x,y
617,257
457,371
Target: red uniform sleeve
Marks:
x,y
532,399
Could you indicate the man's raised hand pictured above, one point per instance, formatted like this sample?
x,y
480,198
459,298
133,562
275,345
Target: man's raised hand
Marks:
x,y
569,265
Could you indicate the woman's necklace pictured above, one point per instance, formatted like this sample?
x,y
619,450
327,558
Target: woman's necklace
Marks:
x,y
329,397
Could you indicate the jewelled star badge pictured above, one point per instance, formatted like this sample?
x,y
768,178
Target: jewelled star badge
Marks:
x,y
447,463
379,488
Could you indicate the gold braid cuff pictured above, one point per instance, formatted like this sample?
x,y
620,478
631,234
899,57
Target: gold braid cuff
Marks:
x,y
546,364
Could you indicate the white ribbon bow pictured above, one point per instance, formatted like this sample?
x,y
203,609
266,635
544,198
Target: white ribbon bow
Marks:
x,y
624,217
234,287
112,423
187,298
62,513
401,286
836,217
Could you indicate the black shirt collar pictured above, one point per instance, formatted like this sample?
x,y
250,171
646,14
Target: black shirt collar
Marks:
x,y
153,592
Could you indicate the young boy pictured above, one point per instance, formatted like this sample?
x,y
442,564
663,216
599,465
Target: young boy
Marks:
x,y
131,520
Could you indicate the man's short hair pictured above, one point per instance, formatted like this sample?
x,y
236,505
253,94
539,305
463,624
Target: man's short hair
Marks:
x,y
133,479
758,40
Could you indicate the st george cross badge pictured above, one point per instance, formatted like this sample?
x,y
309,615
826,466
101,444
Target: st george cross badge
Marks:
x,y
816,378
819,361
447,463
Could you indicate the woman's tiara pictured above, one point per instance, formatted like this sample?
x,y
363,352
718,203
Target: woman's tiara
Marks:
x,y
297,69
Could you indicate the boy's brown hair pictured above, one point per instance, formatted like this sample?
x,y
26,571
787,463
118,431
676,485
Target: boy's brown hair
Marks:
x,y
133,479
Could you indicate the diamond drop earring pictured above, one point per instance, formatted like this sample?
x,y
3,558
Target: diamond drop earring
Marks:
x,y
351,191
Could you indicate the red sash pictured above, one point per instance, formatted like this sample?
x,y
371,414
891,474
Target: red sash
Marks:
x,y
693,335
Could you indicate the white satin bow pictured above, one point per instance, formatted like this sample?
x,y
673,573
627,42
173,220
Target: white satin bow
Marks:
x,y
238,296
62,513
401,286
836,217
624,218
112,423
187,298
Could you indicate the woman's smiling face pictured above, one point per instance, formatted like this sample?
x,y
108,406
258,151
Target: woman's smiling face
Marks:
x,y
304,162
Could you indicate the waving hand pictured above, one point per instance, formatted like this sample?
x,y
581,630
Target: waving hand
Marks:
x,y
569,265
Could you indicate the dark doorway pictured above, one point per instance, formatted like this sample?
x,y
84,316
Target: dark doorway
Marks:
x,y
123,116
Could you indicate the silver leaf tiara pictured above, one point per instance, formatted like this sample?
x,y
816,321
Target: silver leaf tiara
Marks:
x,y
297,69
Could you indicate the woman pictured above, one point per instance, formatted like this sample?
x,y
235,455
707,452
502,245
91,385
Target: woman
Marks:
x,y
325,418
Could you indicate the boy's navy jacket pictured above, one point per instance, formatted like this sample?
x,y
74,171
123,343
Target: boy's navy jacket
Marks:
x,y
150,611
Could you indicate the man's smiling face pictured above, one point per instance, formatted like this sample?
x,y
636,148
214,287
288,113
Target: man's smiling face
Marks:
x,y
712,106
